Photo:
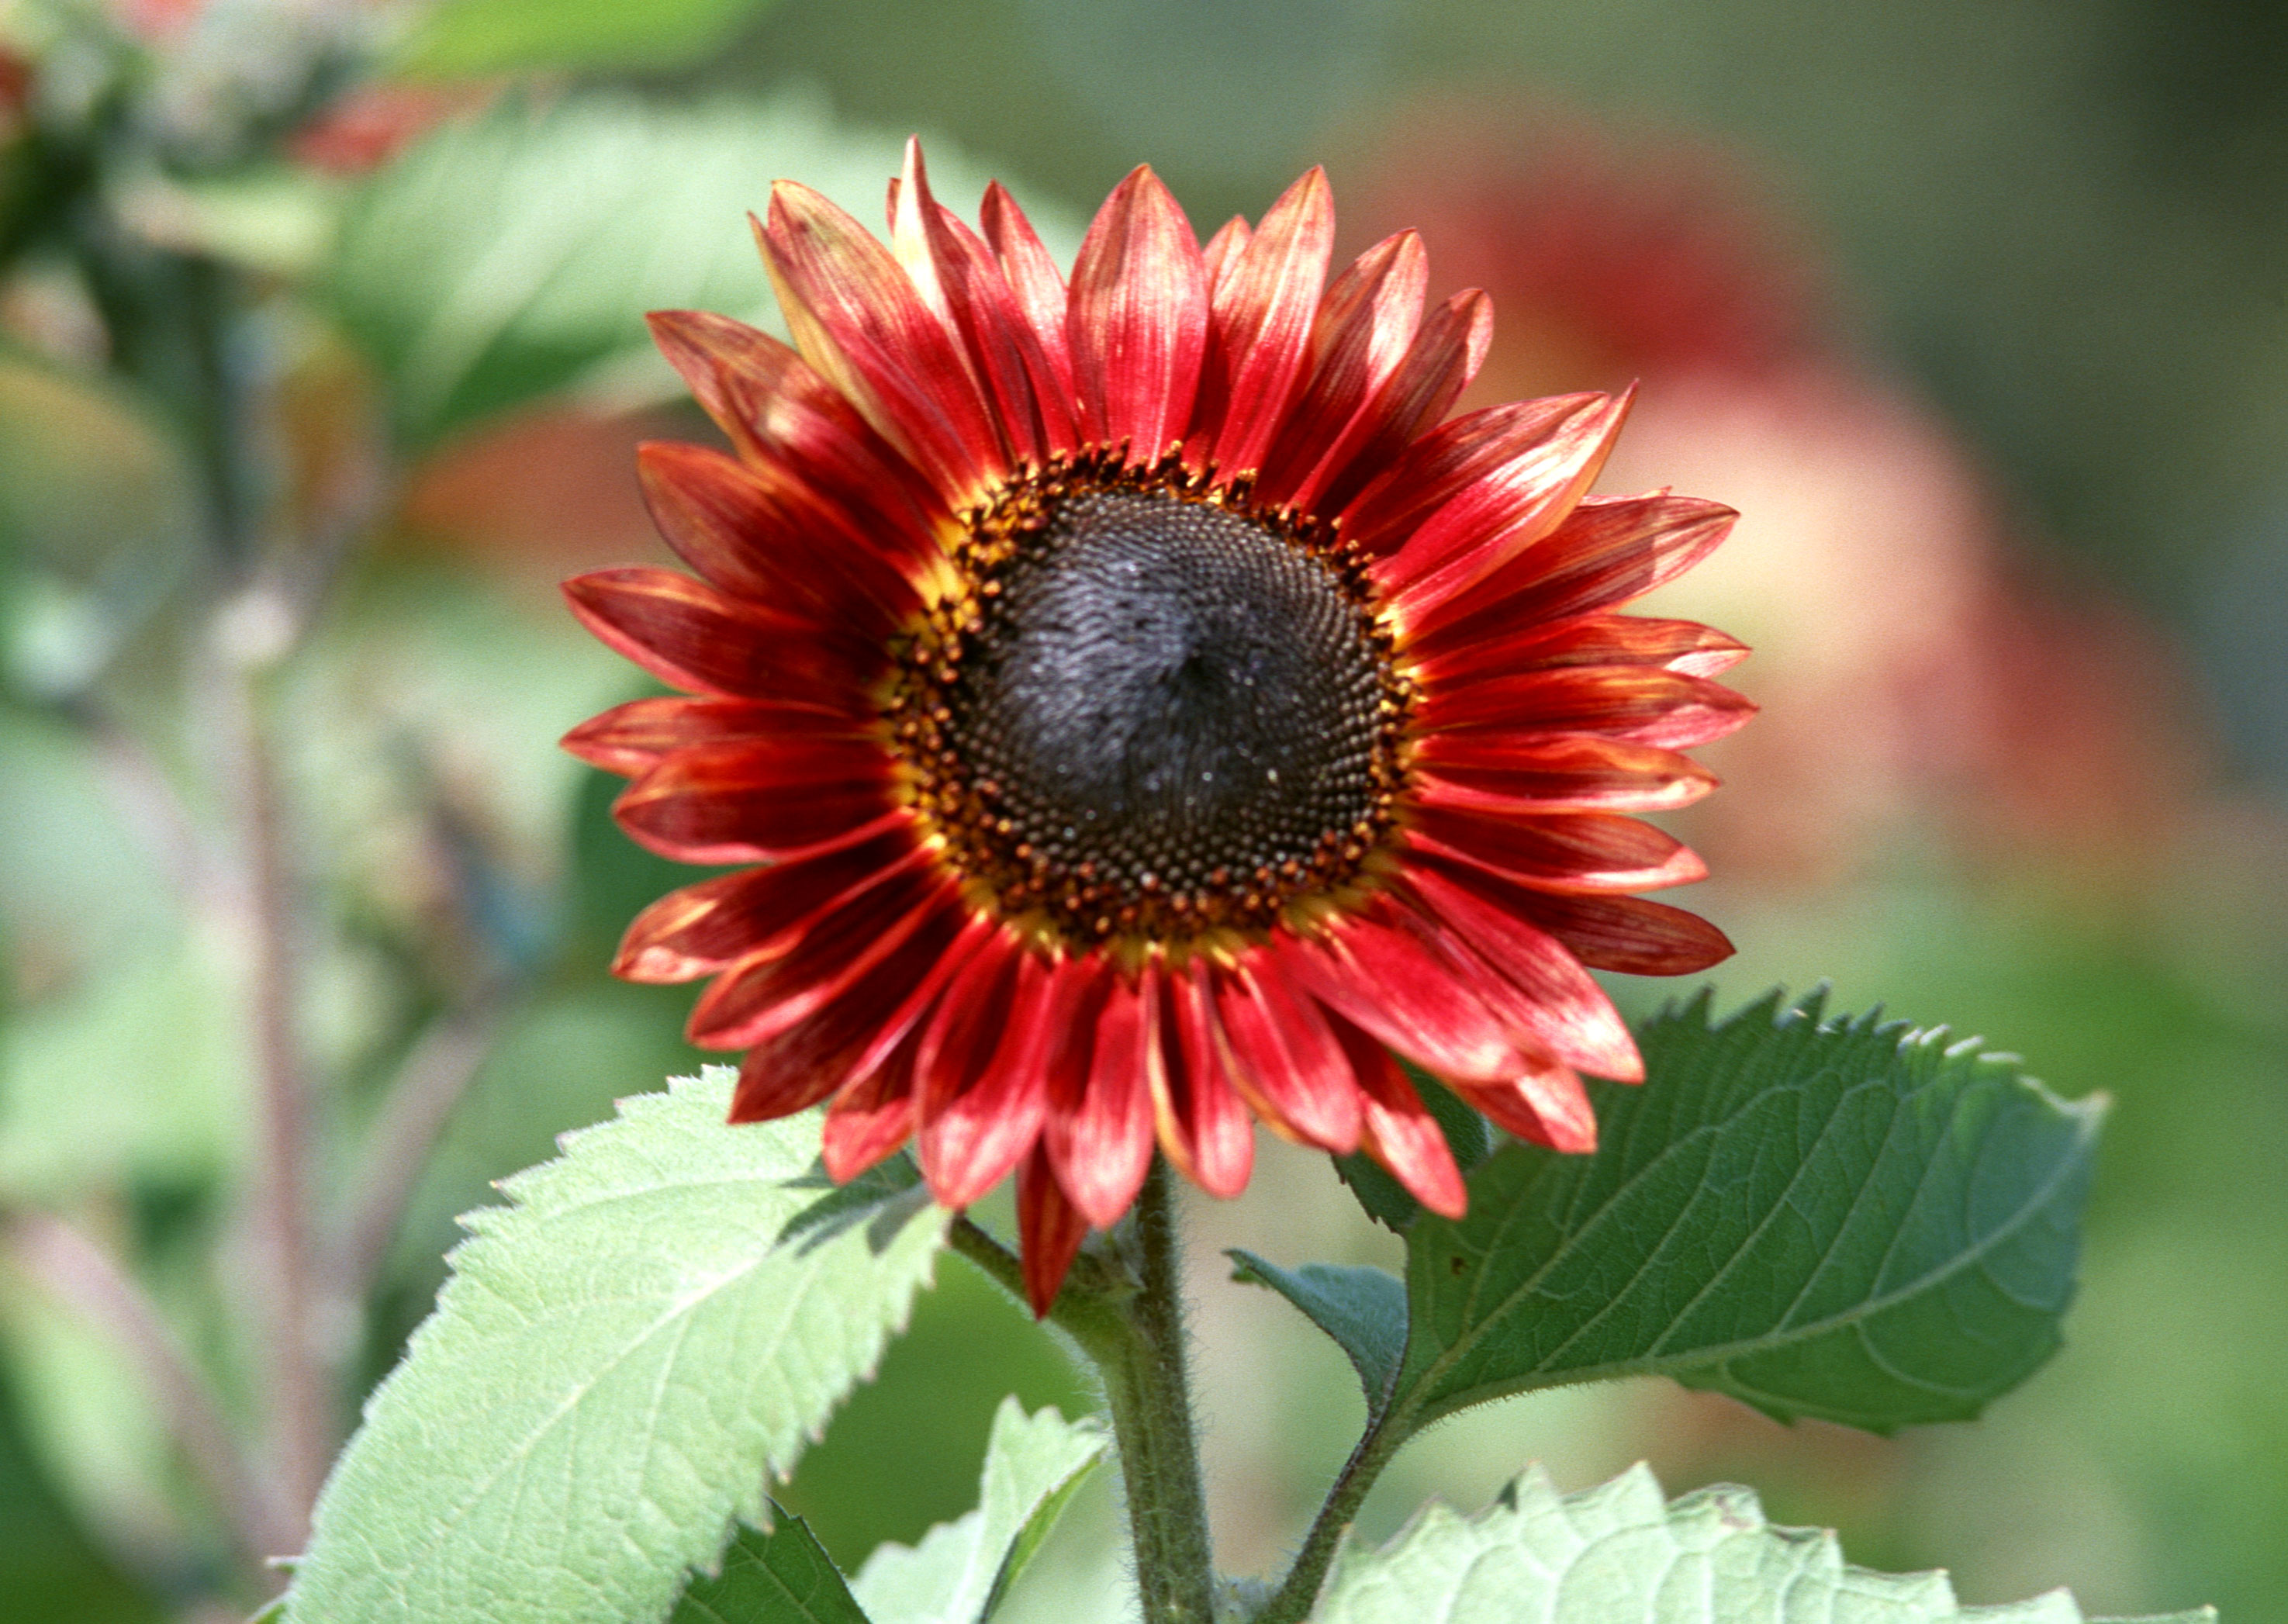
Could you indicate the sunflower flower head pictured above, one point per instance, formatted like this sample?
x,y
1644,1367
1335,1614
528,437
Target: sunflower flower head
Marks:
x,y
1146,710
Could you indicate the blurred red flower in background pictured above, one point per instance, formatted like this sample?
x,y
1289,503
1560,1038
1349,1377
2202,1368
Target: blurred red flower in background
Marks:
x,y
1911,661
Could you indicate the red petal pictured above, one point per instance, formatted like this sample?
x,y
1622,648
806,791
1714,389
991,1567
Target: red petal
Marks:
x,y
1262,310
1035,279
873,1114
1202,1123
1223,249
1030,402
857,319
685,632
761,801
1638,704
1545,1106
905,924
1099,1134
761,533
777,411
704,928
1360,333
1552,1005
1286,1062
1442,359
629,738
841,1034
1568,852
1588,640
1397,1130
979,1120
1050,1230
871,1117
1609,550
831,1047
1138,320
1517,501
1377,971
1623,933
1529,770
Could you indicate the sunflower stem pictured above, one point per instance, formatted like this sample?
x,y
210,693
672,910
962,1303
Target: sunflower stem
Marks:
x,y
1129,1322
1148,1390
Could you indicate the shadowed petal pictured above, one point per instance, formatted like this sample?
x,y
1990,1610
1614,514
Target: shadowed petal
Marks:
x,y
703,928
1137,326
1624,933
832,1043
751,802
871,1117
1202,1123
630,739
762,535
773,992
686,633
1286,1062
1050,1230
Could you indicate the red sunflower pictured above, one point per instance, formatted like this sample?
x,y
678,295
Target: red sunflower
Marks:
x,y
1148,710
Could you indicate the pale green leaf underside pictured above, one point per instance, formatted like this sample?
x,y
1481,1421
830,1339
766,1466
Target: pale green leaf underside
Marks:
x,y
623,1355
961,1569
1834,1218
1619,1552
781,1577
1363,1308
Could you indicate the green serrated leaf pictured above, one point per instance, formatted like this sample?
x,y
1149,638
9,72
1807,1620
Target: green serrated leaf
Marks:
x,y
1619,1551
624,1353
1362,1309
491,36
513,255
1837,1219
780,1577
962,1569
1468,1137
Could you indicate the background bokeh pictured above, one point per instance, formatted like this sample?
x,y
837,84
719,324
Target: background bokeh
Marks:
x,y
1978,309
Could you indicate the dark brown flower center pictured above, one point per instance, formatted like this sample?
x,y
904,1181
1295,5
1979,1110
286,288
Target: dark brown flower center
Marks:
x,y
1153,713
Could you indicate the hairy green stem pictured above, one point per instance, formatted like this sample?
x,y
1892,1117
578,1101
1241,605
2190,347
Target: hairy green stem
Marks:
x,y
1133,1331
1146,1386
